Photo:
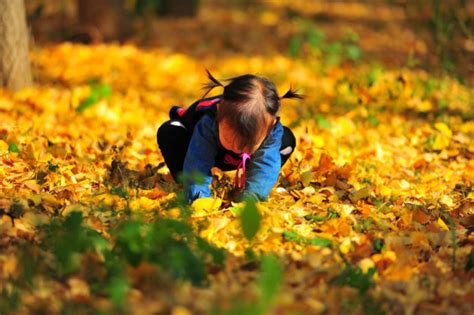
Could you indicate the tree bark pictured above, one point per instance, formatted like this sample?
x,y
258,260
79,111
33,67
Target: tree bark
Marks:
x,y
15,72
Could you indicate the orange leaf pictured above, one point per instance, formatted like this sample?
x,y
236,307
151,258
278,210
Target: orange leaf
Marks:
x,y
421,217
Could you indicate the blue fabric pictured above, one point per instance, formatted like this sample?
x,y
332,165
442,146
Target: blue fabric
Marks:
x,y
262,169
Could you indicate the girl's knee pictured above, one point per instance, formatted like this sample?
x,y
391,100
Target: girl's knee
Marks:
x,y
170,131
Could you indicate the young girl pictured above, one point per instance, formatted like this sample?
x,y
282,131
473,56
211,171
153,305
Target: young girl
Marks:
x,y
239,129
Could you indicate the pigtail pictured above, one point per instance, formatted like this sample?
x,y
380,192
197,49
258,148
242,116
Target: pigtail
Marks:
x,y
292,94
211,85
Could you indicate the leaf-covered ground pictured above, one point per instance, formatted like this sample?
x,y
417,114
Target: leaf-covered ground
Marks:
x,y
373,213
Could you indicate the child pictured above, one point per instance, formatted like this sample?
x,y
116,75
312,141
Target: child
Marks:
x,y
239,129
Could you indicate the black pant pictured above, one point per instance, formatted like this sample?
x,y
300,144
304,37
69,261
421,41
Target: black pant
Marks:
x,y
173,139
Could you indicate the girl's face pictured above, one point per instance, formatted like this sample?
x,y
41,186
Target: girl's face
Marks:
x,y
228,139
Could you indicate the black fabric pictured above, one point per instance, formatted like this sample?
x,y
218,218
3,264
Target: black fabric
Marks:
x,y
173,142
288,140
191,115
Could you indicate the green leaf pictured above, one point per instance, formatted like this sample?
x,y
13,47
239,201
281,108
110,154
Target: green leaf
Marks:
x,y
250,220
294,46
333,52
353,52
12,147
315,218
352,36
88,102
315,37
182,263
117,289
355,278
236,211
251,255
119,191
10,299
332,213
52,167
378,245
270,278
373,75
217,254
431,141
373,120
322,122
98,92
292,236
319,241
103,90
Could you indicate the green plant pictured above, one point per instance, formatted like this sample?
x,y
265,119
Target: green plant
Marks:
x,y
250,219
98,91
268,283
69,244
292,236
312,41
356,278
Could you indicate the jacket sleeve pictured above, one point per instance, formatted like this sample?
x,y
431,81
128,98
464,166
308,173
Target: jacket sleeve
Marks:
x,y
264,167
200,158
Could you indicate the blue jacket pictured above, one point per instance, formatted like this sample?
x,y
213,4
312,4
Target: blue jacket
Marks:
x,y
262,169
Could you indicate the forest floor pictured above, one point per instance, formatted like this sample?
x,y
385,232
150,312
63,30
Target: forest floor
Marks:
x,y
373,213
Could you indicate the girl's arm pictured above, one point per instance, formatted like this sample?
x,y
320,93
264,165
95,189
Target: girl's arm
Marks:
x,y
200,158
264,167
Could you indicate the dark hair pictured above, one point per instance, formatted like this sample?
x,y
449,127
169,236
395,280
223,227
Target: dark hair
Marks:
x,y
249,105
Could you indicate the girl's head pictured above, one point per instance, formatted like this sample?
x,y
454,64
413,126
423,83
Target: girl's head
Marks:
x,y
247,112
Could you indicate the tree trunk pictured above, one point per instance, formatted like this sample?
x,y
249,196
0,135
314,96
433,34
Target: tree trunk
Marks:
x,y
15,72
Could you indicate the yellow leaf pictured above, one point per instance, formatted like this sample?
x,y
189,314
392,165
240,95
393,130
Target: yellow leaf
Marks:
x,y
9,265
180,310
75,208
441,142
470,196
79,289
50,200
34,219
3,147
269,18
33,185
174,212
365,264
447,201
318,141
444,129
399,272
419,239
345,246
442,225
148,204
385,191
202,206
424,106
